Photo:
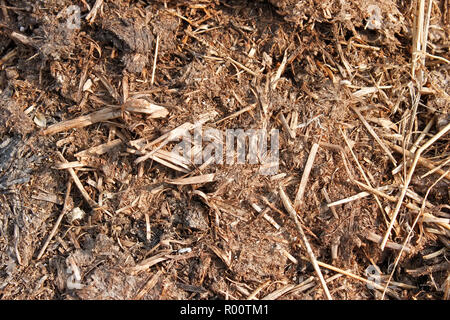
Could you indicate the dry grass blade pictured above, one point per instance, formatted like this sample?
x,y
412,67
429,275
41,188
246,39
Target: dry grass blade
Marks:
x,y
264,214
67,165
99,150
289,208
230,209
170,164
221,53
439,167
253,295
205,178
286,126
280,70
149,262
391,245
143,106
374,134
408,237
93,13
408,179
427,217
368,90
237,113
358,196
132,105
420,39
155,60
356,277
174,134
58,221
311,284
328,200
53,198
303,286
163,140
148,286
173,158
416,144
278,293
83,121
422,161
78,183
361,170
305,176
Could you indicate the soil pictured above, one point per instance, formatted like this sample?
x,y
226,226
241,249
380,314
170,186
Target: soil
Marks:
x,y
130,225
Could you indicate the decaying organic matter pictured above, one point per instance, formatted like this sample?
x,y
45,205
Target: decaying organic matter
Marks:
x,y
95,205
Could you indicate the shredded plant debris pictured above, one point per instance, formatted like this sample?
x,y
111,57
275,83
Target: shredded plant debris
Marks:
x,y
214,149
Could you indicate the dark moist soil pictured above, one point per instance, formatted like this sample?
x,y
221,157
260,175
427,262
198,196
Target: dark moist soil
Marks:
x,y
206,240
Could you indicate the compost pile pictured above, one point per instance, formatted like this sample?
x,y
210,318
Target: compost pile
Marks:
x,y
96,202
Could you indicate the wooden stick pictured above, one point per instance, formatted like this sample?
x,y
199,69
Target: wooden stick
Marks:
x,y
305,176
148,228
23,39
289,208
274,79
58,221
6,17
